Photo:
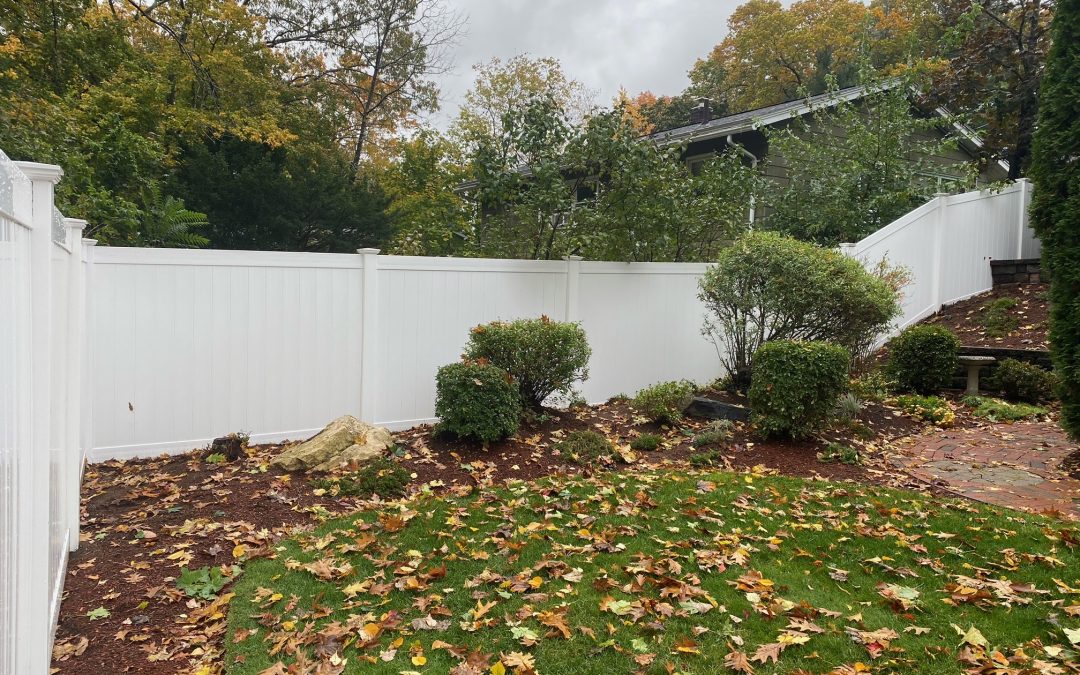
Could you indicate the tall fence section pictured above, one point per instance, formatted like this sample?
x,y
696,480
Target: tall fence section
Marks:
x,y
43,436
120,352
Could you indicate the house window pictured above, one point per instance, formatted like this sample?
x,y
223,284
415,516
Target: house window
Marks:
x,y
696,163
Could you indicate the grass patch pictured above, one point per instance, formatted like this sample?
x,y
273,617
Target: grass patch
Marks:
x,y
646,442
998,318
997,410
624,573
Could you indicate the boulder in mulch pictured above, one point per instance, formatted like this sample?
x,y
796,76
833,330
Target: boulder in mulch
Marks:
x,y
345,442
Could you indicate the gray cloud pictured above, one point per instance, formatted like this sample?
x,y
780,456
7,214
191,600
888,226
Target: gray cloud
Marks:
x,y
637,44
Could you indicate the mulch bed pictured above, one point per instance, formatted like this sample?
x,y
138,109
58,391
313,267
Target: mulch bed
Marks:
x,y
965,318
145,519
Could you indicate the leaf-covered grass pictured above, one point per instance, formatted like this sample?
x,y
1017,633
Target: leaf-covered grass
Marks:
x,y
621,573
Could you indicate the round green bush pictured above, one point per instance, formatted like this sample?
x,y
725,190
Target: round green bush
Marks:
x,y
923,358
585,447
544,357
1022,381
477,400
646,442
664,402
795,385
768,286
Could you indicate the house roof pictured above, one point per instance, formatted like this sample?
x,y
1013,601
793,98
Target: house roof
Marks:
x,y
752,119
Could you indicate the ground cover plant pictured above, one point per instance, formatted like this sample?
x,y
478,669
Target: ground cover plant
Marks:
x,y
999,318
997,410
932,409
659,573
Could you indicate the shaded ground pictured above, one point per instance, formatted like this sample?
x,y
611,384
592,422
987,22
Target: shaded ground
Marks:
x,y
967,317
1016,465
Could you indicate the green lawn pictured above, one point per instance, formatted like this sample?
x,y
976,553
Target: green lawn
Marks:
x,y
666,572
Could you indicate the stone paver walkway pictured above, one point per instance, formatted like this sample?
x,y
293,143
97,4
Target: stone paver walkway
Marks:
x,y
1014,465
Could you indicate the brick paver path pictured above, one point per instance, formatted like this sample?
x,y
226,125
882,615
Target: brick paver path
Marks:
x,y
1014,465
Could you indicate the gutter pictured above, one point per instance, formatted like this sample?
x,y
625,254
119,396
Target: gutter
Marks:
x,y
753,164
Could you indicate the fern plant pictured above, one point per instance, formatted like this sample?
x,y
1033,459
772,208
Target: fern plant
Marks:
x,y
171,225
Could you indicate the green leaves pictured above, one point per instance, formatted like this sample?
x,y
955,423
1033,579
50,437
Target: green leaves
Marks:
x,y
99,613
205,582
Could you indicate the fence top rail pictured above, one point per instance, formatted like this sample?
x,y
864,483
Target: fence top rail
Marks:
x,y
896,226
10,176
123,255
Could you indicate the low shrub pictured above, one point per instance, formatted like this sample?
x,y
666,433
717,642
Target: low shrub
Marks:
x,y
646,442
665,402
477,400
717,433
997,410
923,358
382,477
585,447
873,385
835,452
796,384
933,409
703,460
1022,381
544,357
998,319
848,407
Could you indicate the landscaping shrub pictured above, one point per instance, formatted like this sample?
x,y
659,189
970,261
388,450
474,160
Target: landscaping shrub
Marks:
x,y
381,476
796,384
718,431
770,287
923,358
646,442
544,357
1022,381
477,400
848,407
933,409
585,447
873,385
834,452
998,319
1055,203
703,460
999,411
664,402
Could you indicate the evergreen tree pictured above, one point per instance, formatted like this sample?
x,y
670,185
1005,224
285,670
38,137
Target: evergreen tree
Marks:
x,y
1055,170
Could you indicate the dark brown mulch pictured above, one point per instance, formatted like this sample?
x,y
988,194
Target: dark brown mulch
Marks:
x,y
145,519
965,318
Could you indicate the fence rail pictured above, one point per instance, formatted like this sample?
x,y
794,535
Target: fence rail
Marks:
x,y
117,352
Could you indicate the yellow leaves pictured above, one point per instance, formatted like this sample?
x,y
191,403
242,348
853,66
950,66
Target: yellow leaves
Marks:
x,y
482,608
239,551
498,669
354,589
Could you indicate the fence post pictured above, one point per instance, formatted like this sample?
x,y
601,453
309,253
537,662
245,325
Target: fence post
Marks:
x,y
76,337
848,249
369,336
939,235
32,599
573,279
1022,217
87,411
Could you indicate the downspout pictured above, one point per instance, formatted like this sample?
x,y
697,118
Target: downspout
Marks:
x,y
753,164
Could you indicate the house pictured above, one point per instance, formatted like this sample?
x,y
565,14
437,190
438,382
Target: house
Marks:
x,y
746,132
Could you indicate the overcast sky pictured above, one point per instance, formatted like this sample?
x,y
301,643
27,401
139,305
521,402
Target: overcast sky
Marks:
x,y
637,44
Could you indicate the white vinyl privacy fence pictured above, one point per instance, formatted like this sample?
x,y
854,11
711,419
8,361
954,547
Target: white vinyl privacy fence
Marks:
x,y
118,352
42,436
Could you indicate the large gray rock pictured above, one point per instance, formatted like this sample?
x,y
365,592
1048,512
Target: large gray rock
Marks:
x,y
345,442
